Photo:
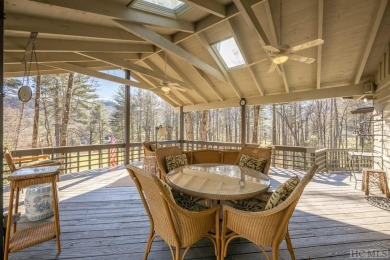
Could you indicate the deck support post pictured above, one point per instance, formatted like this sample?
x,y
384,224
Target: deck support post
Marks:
x,y
127,119
1,125
181,118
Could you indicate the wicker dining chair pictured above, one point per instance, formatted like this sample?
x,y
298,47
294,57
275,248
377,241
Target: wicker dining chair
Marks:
x,y
150,163
257,152
163,152
178,227
263,228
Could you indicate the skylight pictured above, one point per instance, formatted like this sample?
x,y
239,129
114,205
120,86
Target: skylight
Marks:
x,y
169,8
229,52
170,4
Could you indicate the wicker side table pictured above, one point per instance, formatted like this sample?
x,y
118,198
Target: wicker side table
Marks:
x,y
376,177
40,233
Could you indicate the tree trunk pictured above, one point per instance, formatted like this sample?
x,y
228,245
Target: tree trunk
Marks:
x,y
36,113
47,124
66,111
204,125
273,124
189,126
19,126
57,115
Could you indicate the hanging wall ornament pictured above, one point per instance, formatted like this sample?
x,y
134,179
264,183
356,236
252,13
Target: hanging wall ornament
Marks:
x,y
25,92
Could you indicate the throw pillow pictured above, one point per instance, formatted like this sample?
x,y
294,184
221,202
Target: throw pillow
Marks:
x,y
282,192
257,164
174,161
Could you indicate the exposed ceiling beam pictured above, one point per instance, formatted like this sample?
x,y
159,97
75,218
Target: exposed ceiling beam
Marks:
x,y
47,45
274,41
319,48
42,72
221,67
200,26
17,57
350,90
172,100
131,66
211,7
167,45
245,55
42,57
122,12
210,85
170,96
23,23
370,41
182,84
93,73
184,77
251,20
206,23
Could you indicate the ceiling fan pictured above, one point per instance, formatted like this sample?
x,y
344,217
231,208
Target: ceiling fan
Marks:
x,y
282,53
165,84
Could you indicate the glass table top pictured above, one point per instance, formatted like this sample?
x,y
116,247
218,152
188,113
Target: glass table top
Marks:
x,y
218,181
32,171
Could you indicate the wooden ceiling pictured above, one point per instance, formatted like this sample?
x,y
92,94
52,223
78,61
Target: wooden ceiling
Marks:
x,y
92,36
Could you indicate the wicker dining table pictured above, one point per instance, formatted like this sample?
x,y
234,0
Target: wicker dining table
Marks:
x,y
218,181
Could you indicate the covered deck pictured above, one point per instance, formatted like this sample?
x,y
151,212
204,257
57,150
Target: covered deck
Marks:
x,y
102,217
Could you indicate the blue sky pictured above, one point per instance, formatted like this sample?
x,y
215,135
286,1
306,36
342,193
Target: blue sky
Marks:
x,y
107,88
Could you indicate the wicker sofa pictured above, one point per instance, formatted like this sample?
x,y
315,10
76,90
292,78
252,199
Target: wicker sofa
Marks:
x,y
213,156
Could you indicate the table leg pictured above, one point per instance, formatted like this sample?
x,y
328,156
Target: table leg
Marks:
x,y
16,207
9,219
56,214
367,184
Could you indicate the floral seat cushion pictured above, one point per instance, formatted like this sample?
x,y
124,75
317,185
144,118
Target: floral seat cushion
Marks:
x,y
174,161
256,164
251,204
184,201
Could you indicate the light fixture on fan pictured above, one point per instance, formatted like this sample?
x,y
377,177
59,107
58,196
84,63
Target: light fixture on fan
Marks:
x,y
280,59
166,89
165,84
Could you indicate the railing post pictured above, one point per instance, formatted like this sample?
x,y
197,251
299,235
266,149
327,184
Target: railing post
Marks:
x,y
181,116
127,119
243,121
1,122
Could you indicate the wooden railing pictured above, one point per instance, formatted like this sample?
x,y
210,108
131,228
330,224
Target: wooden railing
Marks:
x,y
292,157
87,157
79,158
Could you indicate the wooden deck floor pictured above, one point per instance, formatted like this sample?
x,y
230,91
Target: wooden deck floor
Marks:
x,y
99,221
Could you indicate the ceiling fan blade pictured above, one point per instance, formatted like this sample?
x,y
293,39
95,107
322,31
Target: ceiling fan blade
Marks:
x,y
307,45
302,58
272,67
178,87
271,48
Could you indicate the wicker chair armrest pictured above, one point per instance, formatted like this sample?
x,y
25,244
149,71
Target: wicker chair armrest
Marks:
x,y
149,153
248,214
31,158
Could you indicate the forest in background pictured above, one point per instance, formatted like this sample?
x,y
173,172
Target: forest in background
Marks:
x,y
66,111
